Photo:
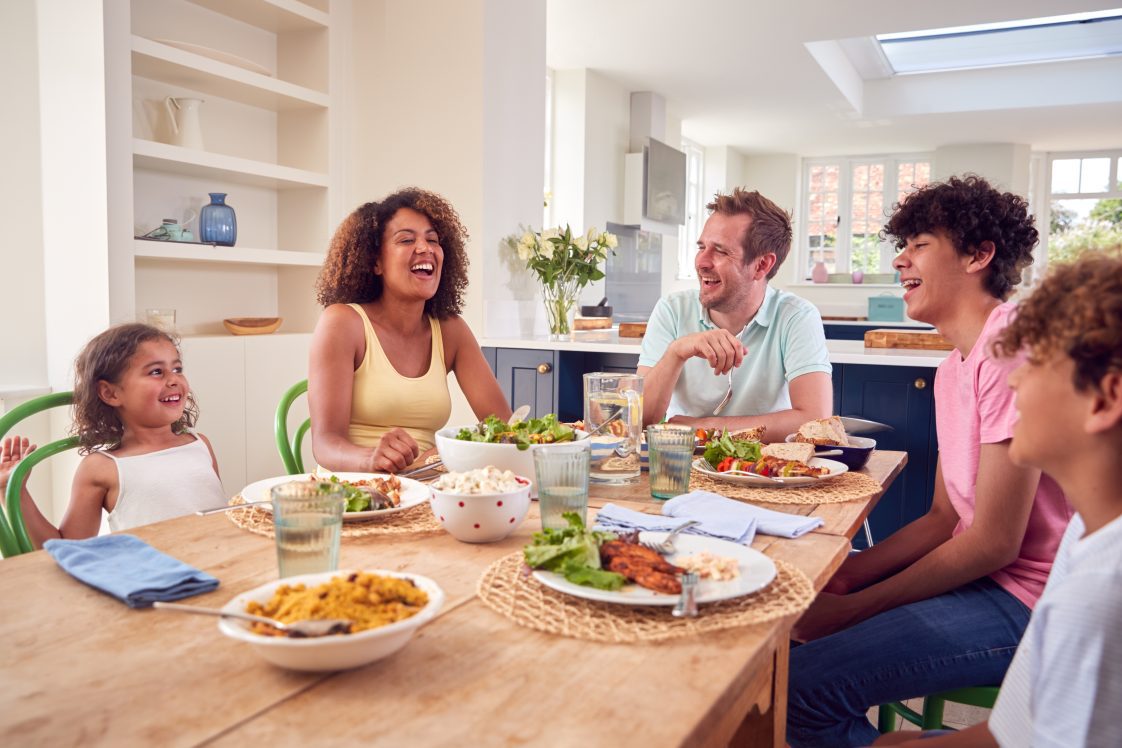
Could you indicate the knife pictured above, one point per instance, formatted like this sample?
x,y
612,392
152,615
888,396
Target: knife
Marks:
x,y
857,426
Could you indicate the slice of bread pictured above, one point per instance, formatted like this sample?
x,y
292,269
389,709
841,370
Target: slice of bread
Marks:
x,y
824,432
799,451
754,434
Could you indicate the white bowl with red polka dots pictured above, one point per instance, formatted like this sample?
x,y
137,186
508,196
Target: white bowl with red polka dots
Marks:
x,y
481,517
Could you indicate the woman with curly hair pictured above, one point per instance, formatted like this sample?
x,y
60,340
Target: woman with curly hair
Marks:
x,y
133,416
943,602
392,287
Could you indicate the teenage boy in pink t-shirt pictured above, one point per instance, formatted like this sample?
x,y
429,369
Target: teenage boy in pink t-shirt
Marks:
x,y
943,602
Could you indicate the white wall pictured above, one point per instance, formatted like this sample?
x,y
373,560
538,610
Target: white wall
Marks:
x,y
1004,165
23,339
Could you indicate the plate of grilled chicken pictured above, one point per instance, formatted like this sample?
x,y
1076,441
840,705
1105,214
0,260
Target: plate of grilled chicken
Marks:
x,y
655,579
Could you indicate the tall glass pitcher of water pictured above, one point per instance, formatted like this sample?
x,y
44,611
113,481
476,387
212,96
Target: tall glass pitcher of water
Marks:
x,y
615,450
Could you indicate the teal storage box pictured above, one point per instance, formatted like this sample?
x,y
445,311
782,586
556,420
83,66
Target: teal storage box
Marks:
x,y
886,308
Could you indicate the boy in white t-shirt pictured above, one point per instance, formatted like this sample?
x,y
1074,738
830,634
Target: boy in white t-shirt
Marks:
x,y
1064,685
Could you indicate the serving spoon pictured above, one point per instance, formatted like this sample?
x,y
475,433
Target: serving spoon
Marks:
x,y
519,414
296,629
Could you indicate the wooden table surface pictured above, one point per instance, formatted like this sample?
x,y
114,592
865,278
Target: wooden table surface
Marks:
x,y
78,667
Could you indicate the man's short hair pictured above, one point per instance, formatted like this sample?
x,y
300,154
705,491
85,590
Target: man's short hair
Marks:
x,y
969,211
1075,312
769,231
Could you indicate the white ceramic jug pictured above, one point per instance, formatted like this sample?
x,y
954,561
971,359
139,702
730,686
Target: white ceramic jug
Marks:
x,y
186,129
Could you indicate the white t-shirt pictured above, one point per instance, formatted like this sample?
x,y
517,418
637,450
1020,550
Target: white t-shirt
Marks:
x,y
1064,686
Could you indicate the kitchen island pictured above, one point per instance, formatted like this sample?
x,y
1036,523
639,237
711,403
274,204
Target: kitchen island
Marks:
x,y
892,386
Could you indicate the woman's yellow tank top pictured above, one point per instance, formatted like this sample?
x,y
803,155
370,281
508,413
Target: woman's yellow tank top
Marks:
x,y
382,399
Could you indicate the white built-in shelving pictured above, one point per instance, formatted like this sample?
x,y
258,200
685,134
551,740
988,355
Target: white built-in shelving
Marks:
x,y
175,159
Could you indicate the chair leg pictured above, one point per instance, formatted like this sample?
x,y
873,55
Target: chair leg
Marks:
x,y
886,719
933,713
868,534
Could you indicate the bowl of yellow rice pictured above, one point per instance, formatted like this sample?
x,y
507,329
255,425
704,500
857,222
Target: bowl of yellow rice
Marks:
x,y
386,608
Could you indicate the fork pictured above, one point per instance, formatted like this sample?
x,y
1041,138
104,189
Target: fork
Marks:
x,y
687,603
666,545
724,400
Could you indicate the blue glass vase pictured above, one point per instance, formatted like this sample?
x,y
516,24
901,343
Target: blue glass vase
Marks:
x,y
217,222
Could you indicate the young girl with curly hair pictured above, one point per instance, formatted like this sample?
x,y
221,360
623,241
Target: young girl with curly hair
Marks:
x,y
392,287
133,415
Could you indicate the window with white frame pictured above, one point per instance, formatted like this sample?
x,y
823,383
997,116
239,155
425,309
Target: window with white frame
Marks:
x,y
1084,204
695,208
845,203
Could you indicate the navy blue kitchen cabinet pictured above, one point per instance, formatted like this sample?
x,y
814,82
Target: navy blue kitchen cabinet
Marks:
x,y
527,377
904,398
857,332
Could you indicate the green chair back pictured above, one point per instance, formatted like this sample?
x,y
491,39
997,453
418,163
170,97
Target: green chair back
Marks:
x,y
932,716
290,449
14,539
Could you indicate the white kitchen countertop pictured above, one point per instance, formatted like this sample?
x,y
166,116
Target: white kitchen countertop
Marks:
x,y
609,341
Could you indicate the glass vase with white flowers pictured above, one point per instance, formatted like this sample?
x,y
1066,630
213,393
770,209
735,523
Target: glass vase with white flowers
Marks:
x,y
564,263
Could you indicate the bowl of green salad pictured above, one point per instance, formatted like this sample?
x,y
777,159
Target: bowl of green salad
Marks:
x,y
503,445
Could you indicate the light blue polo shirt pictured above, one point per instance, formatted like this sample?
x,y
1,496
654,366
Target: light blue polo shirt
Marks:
x,y
785,340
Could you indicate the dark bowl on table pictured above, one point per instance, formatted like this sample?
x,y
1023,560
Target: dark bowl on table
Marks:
x,y
854,456
595,311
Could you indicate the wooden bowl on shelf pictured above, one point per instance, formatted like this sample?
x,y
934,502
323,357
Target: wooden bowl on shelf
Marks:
x,y
252,325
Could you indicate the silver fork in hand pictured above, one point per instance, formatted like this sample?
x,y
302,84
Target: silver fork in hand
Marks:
x,y
724,400
687,603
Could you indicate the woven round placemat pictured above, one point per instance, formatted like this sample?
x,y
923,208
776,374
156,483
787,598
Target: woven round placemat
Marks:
x,y
415,519
846,487
507,589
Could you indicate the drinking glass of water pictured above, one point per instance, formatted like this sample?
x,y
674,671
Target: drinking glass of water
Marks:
x,y
561,472
308,520
670,452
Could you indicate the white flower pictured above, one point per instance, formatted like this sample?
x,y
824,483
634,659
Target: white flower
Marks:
x,y
581,243
550,234
592,234
546,250
609,240
524,252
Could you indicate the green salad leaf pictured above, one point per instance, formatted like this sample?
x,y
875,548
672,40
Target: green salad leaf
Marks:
x,y
573,552
544,430
357,499
725,446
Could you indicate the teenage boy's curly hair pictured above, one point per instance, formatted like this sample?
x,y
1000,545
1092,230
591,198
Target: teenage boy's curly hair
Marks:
x,y
348,274
1076,312
969,211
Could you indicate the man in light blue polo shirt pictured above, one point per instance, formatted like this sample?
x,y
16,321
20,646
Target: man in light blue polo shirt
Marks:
x,y
769,344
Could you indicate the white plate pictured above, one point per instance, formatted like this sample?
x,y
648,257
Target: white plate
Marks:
x,y
756,572
217,55
412,492
836,468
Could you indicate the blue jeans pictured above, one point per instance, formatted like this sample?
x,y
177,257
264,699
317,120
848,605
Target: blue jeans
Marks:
x,y
965,637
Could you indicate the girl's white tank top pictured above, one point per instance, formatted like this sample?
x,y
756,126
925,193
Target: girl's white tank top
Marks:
x,y
165,484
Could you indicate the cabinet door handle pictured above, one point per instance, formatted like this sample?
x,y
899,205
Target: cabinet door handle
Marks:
x,y
544,368
920,383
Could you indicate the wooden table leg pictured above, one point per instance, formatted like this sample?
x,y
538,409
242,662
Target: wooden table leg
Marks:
x,y
766,722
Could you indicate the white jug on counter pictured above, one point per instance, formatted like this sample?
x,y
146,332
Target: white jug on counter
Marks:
x,y
186,129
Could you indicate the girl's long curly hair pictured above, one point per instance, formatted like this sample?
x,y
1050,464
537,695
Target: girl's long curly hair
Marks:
x,y
970,211
105,358
348,274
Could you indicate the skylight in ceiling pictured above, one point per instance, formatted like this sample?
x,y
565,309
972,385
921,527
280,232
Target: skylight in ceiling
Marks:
x,y
1069,37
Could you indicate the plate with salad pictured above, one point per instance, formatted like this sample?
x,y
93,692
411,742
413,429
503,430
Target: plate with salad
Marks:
x,y
407,492
745,463
570,561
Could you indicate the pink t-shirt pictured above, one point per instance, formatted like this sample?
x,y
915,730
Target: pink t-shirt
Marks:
x,y
974,406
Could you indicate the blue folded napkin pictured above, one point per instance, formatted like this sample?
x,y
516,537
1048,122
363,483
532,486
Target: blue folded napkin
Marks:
x,y
738,529
702,505
129,569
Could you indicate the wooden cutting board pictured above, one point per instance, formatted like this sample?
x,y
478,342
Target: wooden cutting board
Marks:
x,y
592,323
915,339
632,329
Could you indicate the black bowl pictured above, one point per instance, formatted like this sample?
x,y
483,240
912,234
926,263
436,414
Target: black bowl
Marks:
x,y
596,311
854,456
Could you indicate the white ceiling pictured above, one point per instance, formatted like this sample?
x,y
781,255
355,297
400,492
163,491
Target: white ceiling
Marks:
x,y
738,73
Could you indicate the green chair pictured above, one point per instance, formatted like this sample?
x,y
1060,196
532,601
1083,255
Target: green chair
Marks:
x,y
932,716
14,539
290,449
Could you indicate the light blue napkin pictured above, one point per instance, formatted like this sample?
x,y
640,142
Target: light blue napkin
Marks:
x,y
702,505
738,529
129,569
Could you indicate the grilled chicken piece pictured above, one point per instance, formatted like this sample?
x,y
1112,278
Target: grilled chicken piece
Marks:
x,y
641,565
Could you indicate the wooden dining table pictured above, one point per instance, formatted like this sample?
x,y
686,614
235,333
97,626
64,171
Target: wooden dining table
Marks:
x,y
79,667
